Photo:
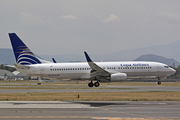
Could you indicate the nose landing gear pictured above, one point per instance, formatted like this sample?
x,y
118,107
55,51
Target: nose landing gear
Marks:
x,y
159,82
96,84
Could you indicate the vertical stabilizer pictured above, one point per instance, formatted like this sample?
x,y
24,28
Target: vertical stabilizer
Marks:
x,y
22,53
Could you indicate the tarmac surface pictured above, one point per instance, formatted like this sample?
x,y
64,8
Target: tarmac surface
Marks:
x,y
109,88
89,110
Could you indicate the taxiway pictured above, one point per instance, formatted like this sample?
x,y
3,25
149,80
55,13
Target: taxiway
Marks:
x,y
89,110
108,88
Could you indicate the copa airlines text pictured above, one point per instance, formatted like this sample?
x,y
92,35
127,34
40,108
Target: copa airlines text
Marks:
x,y
95,72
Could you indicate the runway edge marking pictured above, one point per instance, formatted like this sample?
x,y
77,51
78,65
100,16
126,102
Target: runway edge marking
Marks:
x,y
117,118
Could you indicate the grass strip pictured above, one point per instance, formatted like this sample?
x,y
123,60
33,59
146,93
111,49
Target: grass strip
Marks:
x,y
92,96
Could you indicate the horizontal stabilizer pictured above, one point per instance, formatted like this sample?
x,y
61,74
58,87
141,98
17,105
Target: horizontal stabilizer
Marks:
x,y
11,66
19,66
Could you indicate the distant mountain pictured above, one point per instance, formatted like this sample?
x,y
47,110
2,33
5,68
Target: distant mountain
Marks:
x,y
156,58
6,56
64,58
171,50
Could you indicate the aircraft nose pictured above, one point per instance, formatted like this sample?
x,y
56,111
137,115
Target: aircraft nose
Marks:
x,y
173,71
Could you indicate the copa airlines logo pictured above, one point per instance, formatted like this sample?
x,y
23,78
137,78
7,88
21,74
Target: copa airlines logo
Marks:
x,y
139,64
25,56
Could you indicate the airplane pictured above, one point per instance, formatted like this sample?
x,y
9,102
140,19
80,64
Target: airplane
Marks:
x,y
95,72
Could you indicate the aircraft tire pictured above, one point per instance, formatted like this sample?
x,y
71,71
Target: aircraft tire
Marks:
x,y
159,82
96,84
90,84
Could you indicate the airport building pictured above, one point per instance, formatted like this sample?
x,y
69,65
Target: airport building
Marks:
x,y
7,75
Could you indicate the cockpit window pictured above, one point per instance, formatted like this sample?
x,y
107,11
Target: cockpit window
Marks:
x,y
166,66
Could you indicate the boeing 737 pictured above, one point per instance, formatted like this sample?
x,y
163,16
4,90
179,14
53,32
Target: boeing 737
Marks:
x,y
95,72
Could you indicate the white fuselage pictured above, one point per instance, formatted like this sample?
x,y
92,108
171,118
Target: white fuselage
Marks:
x,y
81,71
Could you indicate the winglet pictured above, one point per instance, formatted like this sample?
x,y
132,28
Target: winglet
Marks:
x,y
87,57
54,60
95,68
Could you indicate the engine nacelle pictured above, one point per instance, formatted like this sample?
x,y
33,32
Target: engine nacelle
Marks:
x,y
118,77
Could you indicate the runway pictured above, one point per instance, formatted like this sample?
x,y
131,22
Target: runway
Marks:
x,y
109,88
89,110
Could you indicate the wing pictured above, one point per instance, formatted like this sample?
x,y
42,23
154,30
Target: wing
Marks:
x,y
96,71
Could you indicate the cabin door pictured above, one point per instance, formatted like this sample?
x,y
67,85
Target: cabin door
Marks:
x,y
158,68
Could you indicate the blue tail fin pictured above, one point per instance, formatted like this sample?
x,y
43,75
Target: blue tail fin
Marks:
x,y
22,53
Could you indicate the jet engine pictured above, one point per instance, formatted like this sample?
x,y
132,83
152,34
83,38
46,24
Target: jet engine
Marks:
x,y
118,77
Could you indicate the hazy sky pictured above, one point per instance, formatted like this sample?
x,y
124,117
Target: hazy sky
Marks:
x,y
97,26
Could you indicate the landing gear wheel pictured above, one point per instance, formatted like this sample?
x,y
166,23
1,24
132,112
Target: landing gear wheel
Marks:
x,y
90,84
159,83
96,84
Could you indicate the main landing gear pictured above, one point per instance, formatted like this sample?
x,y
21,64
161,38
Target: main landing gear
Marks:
x,y
159,82
96,84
